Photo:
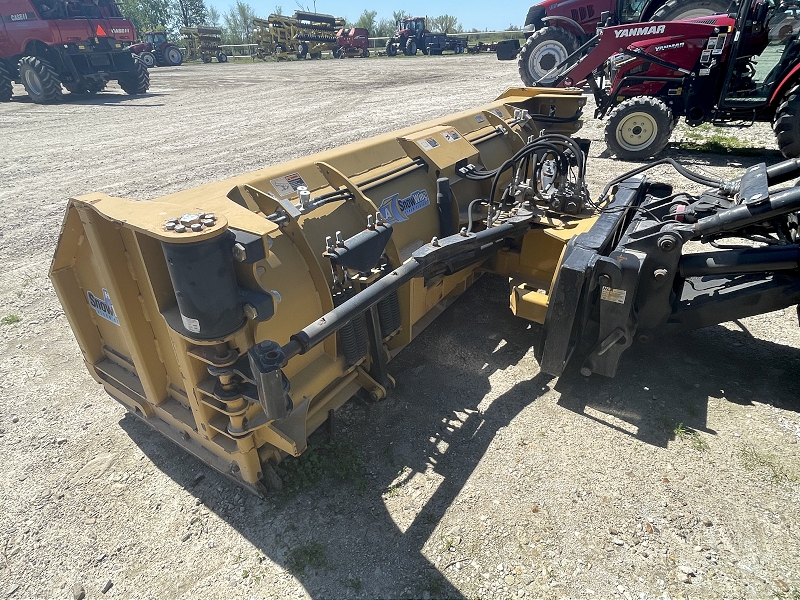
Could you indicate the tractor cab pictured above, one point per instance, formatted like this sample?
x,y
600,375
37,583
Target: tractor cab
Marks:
x,y
156,38
411,27
762,55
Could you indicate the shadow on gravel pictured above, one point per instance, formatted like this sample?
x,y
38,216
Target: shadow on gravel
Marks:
x,y
681,152
101,99
339,539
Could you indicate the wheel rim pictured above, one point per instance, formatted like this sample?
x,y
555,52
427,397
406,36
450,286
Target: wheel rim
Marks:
x,y
636,131
544,58
148,60
33,83
173,55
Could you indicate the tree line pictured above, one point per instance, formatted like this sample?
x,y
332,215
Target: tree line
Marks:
x,y
237,22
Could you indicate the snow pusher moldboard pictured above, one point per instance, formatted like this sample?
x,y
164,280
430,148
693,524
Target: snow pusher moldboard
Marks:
x,y
234,317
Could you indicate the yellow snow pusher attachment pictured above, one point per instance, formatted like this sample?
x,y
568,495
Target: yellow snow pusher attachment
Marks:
x,y
235,316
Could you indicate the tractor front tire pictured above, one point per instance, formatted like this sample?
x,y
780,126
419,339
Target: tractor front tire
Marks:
x,y
411,48
6,89
173,57
674,10
137,81
544,50
638,128
149,59
787,124
40,80
391,49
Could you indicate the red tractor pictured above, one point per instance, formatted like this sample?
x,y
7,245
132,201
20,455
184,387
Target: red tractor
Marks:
x,y
724,69
156,50
555,28
79,44
352,41
409,37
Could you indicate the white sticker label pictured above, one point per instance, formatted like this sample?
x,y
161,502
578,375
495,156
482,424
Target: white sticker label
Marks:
x,y
498,112
428,143
103,306
192,325
612,295
451,135
479,118
288,184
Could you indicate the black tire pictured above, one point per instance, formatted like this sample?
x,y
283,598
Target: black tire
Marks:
x,y
638,128
337,52
459,49
316,55
425,50
137,81
302,50
205,57
365,53
173,57
40,80
148,59
411,48
674,10
787,124
391,49
222,57
6,89
279,49
542,52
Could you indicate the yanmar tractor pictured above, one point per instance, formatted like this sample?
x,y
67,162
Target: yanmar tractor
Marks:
x,y
156,50
724,69
77,43
412,35
555,29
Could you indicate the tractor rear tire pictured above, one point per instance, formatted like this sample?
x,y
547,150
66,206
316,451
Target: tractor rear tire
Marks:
x,y
137,81
787,124
674,10
542,52
638,128
391,49
6,89
40,80
411,48
173,57
148,58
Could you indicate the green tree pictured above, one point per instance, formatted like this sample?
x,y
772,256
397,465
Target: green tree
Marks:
x,y
149,15
237,23
367,20
213,18
191,13
513,28
444,24
278,10
384,28
399,15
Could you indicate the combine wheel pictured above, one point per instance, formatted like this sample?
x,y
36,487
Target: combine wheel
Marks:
x,y
638,128
674,10
391,49
411,48
6,90
222,57
787,124
173,56
137,81
40,80
148,58
544,50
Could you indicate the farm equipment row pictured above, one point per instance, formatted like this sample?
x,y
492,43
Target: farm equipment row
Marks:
x,y
235,317
412,35
308,35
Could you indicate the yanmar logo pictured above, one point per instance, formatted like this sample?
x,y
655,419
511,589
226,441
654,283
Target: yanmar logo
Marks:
x,y
639,31
120,31
670,46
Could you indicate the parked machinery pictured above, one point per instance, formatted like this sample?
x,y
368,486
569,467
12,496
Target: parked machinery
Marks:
x,y
350,42
304,34
156,50
721,69
412,35
203,43
80,45
555,29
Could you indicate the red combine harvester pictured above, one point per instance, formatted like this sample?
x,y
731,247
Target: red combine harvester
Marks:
x,y
351,41
723,69
80,44
555,29
155,50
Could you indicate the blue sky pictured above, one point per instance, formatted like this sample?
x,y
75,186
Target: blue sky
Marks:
x,y
470,13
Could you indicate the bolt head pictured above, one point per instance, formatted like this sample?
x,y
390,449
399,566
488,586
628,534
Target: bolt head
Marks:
x,y
586,371
239,252
189,219
180,228
604,280
666,243
250,312
660,274
170,225
197,227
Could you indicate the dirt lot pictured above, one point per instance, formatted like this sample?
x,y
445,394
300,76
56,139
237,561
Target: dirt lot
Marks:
x,y
481,476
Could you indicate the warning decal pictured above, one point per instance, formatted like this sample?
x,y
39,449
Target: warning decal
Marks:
x,y
288,184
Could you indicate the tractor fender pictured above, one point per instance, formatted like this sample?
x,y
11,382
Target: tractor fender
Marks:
x,y
650,8
785,84
574,26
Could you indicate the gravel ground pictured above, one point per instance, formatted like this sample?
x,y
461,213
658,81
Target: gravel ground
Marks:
x,y
478,477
